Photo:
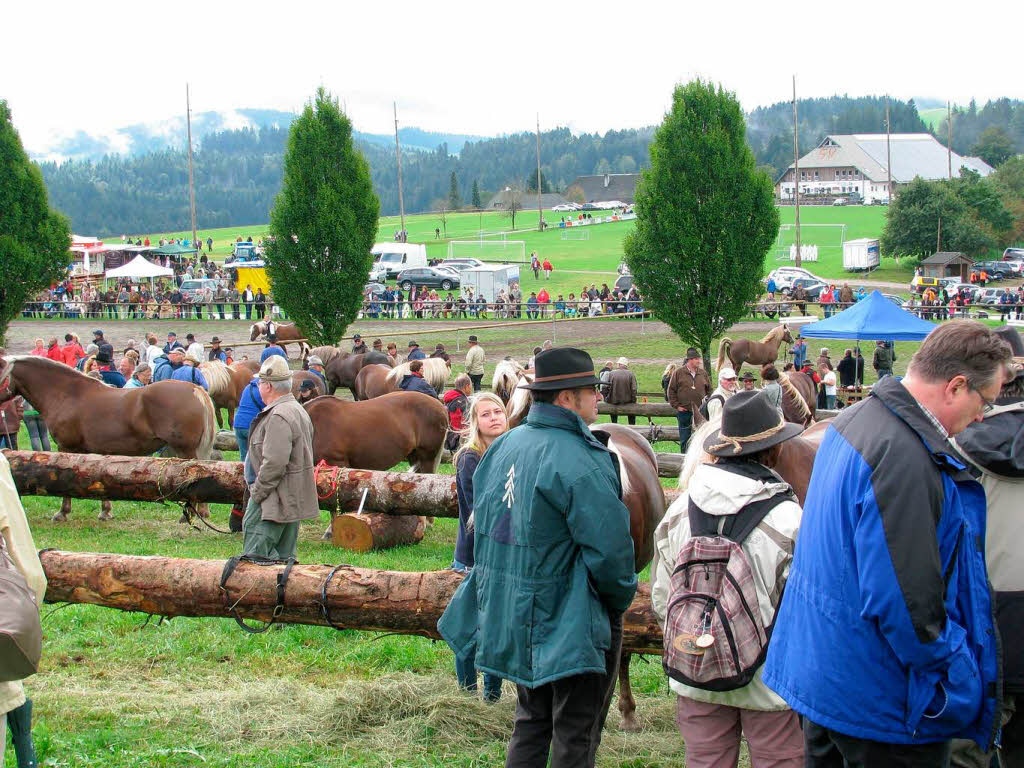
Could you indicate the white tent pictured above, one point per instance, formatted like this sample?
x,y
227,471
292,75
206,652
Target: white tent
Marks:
x,y
139,267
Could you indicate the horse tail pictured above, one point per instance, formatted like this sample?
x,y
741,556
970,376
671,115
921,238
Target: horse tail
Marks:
x,y
724,347
204,448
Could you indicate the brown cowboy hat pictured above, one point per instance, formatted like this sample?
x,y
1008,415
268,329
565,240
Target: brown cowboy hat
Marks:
x,y
750,423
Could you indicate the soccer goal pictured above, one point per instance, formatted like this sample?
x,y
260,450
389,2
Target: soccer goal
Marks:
x,y
817,242
575,233
488,250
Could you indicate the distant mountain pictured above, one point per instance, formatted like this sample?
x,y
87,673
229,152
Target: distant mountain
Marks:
x,y
142,138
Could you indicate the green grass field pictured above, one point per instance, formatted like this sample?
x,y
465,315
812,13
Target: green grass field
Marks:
x,y
933,117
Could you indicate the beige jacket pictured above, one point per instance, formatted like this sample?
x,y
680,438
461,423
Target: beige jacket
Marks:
x,y
475,360
281,456
18,537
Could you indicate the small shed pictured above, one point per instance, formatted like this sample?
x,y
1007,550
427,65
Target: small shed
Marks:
x,y
488,279
948,264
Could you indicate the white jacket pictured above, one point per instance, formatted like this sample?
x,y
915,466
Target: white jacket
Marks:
x,y
769,549
715,405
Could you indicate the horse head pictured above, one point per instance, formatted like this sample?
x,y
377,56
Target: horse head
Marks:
x,y
7,388
255,330
519,401
786,335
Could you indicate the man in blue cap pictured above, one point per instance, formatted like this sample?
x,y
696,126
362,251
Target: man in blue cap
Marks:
x,y
554,568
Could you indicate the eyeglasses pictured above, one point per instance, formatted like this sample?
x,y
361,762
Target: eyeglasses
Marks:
x,y
986,404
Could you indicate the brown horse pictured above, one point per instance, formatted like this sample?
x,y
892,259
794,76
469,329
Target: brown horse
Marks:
x,y
304,395
227,382
798,401
343,369
644,498
373,381
280,333
405,426
87,416
754,352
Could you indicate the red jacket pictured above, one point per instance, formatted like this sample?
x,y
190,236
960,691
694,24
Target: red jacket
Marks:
x,y
456,403
54,353
543,297
547,266
72,352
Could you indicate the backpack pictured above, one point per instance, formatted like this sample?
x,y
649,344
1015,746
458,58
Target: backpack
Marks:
x,y
715,638
703,409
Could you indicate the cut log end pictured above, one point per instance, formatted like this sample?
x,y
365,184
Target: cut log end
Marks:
x,y
374,530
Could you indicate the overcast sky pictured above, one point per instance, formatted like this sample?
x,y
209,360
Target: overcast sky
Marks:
x,y
484,67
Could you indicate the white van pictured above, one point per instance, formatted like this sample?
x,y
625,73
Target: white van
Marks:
x,y
391,258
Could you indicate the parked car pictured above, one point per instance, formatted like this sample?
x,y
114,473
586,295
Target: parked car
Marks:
x,y
839,201
989,295
460,265
624,282
1014,254
566,207
392,258
920,283
997,270
1016,267
191,288
430,277
972,290
374,290
784,276
897,300
812,285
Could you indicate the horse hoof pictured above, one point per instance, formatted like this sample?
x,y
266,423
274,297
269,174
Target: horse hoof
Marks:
x,y
60,517
104,516
183,519
629,724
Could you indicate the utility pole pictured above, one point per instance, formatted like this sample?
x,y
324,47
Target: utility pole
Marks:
x,y
540,209
949,137
796,175
398,159
888,154
938,237
191,177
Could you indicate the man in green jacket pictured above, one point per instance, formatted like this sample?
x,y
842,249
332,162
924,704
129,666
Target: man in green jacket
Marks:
x,y
554,568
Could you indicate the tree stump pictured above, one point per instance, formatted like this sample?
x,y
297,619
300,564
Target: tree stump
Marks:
x,y
374,530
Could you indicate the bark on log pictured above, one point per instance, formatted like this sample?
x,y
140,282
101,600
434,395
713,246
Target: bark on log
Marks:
x,y
637,409
357,598
225,441
373,530
669,464
660,432
143,478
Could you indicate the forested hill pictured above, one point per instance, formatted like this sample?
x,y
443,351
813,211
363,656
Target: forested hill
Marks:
x,y
238,172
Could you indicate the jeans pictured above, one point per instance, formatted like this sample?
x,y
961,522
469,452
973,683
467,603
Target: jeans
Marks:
x,y
37,432
685,421
830,749
9,440
565,717
830,402
242,436
883,372
476,378
465,671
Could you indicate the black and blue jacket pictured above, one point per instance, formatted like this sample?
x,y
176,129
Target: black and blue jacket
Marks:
x,y
886,629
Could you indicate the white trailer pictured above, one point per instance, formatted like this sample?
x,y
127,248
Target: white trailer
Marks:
x,y
488,279
861,254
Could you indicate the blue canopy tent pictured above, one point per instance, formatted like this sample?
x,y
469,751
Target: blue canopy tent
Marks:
x,y
875,317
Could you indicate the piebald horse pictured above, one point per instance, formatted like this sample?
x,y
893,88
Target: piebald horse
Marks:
x,y
641,493
281,334
754,352
86,416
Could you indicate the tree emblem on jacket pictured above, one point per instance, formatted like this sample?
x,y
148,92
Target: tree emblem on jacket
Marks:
x,y
510,487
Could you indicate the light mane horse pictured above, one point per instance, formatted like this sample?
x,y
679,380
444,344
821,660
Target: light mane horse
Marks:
x,y
754,352
507,374
435,372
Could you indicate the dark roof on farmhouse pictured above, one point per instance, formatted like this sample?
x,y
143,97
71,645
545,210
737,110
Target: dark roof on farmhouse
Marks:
x,y
608,186
527,200
948,257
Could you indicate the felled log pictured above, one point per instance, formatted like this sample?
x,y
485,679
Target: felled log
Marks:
x,y
143,478
357,598
659,432
225,441
373,530
669,464
637,409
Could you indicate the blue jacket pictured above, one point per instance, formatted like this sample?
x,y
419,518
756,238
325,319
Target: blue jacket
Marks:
x,y
273,349
113,378
162,368
249,406
886,630
417,354
190,374
411,383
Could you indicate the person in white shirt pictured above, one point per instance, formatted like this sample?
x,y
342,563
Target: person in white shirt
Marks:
x,y
152,350
828,381
195,348
726,388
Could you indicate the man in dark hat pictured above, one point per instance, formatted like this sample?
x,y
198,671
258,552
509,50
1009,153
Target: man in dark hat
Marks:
x,y
415,353
105,348
749,381
439,352
995,449
172,342
554,565
216,353
687,388
105,361
741,497
358,345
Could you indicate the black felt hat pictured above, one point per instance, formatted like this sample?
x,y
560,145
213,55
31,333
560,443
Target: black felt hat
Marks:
x,y
562,368
750,423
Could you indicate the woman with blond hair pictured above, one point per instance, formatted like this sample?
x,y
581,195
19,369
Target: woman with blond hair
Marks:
x,y
669,370
487,421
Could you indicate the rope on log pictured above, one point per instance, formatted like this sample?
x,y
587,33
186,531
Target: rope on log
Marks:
x,y
399,602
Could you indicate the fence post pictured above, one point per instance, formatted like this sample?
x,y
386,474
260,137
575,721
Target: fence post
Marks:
x,y
553,333
456,339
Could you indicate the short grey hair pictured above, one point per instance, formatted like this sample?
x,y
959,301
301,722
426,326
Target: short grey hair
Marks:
x,y
281,387
141,368
462,381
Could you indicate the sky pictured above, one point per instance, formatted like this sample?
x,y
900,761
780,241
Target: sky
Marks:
x,y
485,68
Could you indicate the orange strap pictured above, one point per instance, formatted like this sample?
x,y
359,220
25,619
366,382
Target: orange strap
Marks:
x,y
332,472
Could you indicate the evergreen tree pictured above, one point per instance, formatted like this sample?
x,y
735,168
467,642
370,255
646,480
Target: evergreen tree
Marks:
x,y
454,203
323,223
34,240
706,218
912,225
994,146
477,202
